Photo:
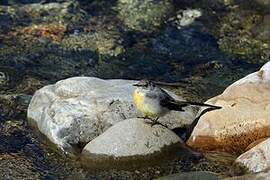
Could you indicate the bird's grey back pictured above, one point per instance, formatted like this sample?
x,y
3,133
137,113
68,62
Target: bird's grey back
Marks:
x,y
159,94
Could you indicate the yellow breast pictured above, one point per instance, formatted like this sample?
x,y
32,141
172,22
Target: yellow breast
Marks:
x,y
139,101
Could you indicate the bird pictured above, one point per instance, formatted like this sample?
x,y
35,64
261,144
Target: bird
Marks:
x,y
153,102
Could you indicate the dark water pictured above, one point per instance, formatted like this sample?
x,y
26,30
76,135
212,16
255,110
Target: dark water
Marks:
x,y
41,43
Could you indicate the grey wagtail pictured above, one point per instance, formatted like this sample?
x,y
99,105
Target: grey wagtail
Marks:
x,y
153,102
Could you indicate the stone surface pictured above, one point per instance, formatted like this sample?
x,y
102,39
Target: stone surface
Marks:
x,y
78,109
243,119
144,15
187,17
197,175
257,159
132,137
253,36
258,176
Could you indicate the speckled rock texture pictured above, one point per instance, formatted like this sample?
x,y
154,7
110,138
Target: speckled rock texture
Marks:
x,y
144,15
77,110
257,159
198,175
257,176
132,137
243,119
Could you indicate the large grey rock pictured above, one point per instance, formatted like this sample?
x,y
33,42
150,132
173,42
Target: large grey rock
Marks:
x,y
257,159
132,137
78,109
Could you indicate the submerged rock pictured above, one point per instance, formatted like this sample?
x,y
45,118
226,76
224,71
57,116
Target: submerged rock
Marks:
x,y
244,32
77,110
257,159
199,175
132,137
144,15
243,119
107,43
187,17
3,78
258,176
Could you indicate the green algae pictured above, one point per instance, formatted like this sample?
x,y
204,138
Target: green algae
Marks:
x,y
144,16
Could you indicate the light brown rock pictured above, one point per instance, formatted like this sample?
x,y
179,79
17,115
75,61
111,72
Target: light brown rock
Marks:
x,y
243,119
257,159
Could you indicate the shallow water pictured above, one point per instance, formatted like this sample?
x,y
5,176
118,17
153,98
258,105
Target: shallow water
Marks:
x,y
40,45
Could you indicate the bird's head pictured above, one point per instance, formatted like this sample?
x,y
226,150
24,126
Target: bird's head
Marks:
x,y
145,84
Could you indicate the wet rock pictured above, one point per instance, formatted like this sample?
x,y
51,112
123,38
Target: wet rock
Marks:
x,y
104,42
263,2
132,137
3,78
200,175
179,43
12,166
243,118
77,110
79,42
186,17
257,159
29,85
144,16
66,12
18,99
53,31
244,33
258,176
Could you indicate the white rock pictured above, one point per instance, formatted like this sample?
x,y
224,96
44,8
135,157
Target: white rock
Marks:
x,y
188,16
81,108
130,138
257,159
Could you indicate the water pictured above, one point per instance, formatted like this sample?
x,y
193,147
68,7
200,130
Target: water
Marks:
x,y
43,43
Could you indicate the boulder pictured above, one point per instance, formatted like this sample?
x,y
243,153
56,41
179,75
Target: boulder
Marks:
x,y
243,119
76,110
257,159
132,137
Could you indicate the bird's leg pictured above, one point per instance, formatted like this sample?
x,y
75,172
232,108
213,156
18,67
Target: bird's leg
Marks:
x,y
154,121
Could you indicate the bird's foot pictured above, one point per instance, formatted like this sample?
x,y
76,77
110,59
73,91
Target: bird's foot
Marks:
x,y
152,123
155,122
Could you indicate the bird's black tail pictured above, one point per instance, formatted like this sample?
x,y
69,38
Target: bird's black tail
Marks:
x,y
178,105
199,104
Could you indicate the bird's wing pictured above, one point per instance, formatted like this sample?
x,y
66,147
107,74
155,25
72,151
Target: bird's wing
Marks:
x,y
172,104
169,102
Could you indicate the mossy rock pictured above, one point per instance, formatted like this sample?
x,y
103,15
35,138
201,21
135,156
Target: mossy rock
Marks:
x,y
105,43
240,35
144,15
